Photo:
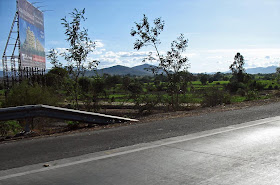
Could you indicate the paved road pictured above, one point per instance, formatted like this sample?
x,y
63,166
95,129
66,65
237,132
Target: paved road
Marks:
x,y
22,153
247,153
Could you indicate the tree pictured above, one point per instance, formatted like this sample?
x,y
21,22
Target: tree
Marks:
x,y
172,63
80,46
237,68
147,35
53,57
278,75
91,88
203,79
57,78
218,76
112,81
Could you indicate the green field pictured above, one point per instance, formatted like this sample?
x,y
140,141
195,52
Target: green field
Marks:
x,y
195,92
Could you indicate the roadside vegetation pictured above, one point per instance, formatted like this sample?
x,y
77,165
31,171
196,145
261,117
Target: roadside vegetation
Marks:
x,y
134,96
171,87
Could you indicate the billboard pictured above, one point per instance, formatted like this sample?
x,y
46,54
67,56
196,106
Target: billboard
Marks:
x,y
32,36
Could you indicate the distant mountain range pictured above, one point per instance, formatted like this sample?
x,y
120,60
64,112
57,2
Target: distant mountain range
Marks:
x,y
123,70
141,70
263,70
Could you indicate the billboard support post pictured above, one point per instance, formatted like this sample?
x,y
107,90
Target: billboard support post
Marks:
x,y
7,74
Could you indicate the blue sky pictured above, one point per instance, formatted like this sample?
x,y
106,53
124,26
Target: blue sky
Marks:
x,y
216,29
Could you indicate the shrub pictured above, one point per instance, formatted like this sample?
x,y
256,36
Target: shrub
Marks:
x,y
259,86
241,92
7,127
277,94
270,87
25,94
148,102
72,125
214,97
254,85
234,86
57,78
251,95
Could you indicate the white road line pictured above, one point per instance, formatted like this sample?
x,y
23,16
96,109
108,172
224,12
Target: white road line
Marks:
x,y
153,145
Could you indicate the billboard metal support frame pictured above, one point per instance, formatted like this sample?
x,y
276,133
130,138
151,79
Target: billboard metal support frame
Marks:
x,y
13,68
6,58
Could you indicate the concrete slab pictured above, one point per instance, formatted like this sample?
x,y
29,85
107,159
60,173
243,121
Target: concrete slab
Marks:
x,y
248,153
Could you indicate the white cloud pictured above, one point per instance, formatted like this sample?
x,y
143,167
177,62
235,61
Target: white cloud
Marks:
x,y
126,54
99,44
200,60
97,51
133,54
110,54
61,50
108,62
133,58
220,59
125,58
94,52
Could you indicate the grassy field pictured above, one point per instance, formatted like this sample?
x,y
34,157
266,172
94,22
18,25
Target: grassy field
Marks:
x,y
195,93
268,84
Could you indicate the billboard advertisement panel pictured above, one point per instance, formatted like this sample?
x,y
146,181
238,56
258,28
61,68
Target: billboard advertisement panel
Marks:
x,y
32,36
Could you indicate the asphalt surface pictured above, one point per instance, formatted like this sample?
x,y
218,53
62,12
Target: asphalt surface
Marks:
x,y
28,152
246,153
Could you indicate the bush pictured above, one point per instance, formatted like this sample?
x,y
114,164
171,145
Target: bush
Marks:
x,y
241,92
277,94
234,86
57,78
259,86
252,95
72,125
270,87
25,94
7,127
214,97
147,103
